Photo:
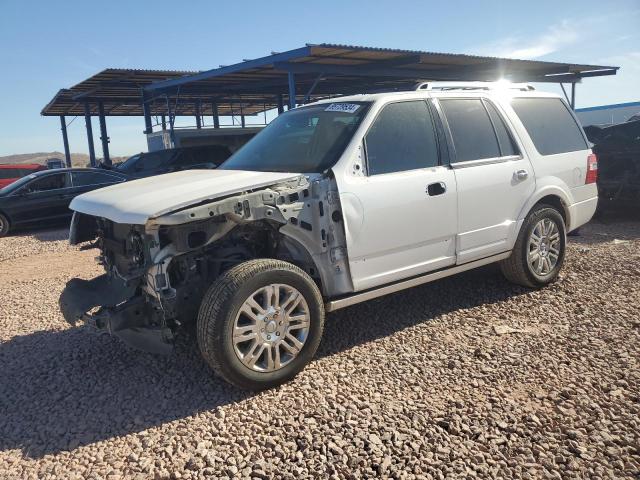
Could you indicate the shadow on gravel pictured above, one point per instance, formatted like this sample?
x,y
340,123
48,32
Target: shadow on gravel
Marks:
x,y
384,316
64,389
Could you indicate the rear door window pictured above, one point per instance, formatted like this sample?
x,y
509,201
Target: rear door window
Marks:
x,y
48,182
473,135
550,125
83,179
401,138
507,145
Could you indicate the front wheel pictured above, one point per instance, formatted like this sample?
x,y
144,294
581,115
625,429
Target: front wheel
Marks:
x,y
538,254
260,323
4,225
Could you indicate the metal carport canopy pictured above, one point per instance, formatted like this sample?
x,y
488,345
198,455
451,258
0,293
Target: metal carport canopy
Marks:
x,y
327,69
300,75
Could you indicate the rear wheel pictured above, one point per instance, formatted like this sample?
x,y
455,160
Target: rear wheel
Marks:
x,y
260,323
4,225
538,254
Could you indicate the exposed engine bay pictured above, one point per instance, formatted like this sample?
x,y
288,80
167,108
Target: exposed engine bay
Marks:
x,y
156,274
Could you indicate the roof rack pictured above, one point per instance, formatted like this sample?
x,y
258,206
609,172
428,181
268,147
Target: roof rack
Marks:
x,y
473,86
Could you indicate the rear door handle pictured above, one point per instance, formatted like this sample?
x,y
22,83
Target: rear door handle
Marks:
x,y
437,188
521,174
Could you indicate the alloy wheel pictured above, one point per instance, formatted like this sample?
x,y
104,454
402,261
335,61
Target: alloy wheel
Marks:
x,y
271,327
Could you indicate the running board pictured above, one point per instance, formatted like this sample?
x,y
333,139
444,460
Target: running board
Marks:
x,y
343,302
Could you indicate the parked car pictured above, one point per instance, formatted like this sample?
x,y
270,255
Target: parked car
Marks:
x,y
55,163
618,150
10,172
43,197
173,160
334,203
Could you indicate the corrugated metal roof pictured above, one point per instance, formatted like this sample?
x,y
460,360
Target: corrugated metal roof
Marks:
x,y
324,69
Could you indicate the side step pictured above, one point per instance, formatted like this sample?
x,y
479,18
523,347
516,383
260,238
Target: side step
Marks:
x,y
343,302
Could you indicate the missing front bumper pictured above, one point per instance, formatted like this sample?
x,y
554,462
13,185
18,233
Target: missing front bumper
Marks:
x,y
120,312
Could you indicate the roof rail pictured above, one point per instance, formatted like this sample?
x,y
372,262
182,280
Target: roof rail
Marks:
x,y
473,86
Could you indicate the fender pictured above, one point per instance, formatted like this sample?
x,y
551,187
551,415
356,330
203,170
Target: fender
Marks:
x,y
545,187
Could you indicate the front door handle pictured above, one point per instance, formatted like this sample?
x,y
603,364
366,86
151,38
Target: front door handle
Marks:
x,y
437,188
521,174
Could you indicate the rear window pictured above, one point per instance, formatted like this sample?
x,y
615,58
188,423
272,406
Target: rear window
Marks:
x,y
550,125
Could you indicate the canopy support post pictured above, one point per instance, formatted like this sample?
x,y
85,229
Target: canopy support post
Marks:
x,y
573,95
171,121
103,135
87,121
198,119
65,140
280,105
216,116
148,127
292,90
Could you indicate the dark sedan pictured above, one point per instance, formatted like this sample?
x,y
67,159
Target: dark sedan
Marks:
x,y
43,197
173,160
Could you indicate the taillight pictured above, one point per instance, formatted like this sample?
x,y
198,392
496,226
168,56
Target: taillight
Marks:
x,y
592,169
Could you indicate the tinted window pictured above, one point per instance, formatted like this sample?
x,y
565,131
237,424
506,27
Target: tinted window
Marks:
x,y
48,182
507,146
199,156
550,125
213,154
81,179
303,140
147,161
401,138
471,129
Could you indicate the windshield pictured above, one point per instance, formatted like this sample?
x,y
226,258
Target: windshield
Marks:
x,y
147,161
12,187
304,140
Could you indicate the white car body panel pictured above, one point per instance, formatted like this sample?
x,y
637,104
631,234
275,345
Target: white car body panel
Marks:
x,y
395,230
386,225
138,201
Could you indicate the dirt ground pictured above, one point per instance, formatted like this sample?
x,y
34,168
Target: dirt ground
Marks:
x,y
468,377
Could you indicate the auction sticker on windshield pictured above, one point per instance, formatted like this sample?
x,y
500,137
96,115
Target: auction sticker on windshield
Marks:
x,y
342,107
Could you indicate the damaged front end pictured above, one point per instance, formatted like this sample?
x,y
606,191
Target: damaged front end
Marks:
x,y
109,305
156,274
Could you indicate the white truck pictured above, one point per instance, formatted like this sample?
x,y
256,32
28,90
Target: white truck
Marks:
x,y
332,204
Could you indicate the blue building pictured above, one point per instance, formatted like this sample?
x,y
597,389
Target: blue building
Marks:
x,y
608,114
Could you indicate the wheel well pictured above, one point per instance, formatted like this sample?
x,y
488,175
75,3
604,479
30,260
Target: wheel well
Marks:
x,y
557,203
6,216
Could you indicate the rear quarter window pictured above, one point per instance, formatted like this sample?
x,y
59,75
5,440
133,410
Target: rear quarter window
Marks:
x,y
550,125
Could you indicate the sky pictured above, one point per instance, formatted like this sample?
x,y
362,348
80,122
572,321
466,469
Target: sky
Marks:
x,y
48,45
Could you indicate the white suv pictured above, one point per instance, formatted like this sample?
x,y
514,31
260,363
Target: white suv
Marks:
x,y
334,203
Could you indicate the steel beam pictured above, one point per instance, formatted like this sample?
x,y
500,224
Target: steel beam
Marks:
x,y
106,159
573,95
292,90
65,140
87,122
163,121
217,72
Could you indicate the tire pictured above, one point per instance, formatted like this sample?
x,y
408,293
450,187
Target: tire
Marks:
x,y
4,225
518,267
251,364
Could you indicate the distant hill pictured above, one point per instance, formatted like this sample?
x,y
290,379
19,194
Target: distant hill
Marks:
x,y
77,159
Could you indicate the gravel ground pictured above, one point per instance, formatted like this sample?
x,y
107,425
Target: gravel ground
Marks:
x,y
467,377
